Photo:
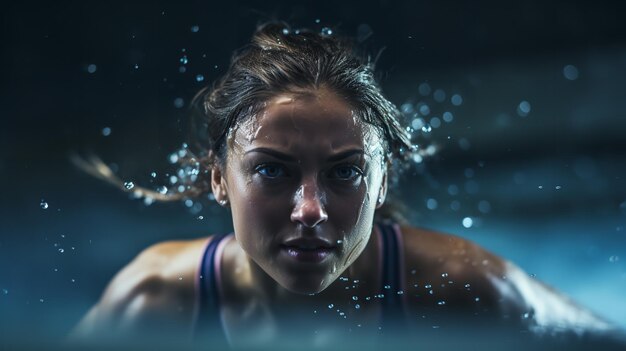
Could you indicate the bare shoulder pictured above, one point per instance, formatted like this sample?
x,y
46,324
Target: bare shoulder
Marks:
x,y
156,290
469,278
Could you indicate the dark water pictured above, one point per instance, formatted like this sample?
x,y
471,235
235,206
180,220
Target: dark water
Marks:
x,y
528,97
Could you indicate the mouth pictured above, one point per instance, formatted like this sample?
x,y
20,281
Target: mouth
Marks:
x,y
308,250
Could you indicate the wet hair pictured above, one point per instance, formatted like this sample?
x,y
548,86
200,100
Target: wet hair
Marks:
x,y
282,60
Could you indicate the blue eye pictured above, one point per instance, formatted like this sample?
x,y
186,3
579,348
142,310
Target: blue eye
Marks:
x,y
271,170
345,172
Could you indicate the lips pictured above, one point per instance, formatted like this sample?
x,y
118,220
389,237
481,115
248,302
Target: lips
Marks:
x,y
309,243
309,250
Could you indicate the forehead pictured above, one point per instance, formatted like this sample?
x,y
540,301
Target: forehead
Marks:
x,y
316,120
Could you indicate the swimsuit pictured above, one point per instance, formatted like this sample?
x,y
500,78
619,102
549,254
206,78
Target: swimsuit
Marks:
x,y
207,319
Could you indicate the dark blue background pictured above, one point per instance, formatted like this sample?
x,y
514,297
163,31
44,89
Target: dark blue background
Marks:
x,y
553,179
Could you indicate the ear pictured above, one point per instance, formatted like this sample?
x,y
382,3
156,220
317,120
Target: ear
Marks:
x,y
218,184
382,193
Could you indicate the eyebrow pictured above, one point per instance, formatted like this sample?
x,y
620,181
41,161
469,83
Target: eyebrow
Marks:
x,y
288,158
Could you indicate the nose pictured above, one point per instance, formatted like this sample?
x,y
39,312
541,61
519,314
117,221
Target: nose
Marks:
x,y
309,209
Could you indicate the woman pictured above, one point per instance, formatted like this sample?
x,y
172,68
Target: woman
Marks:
x,y
301,149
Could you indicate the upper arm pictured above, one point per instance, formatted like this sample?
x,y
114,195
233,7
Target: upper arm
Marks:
x,y
155,292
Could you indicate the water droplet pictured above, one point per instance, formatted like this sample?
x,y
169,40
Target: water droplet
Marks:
x,y
428,286
448,117
182,69
200,217
424,110
387,287
317,20
523,109
199,78
456,100
355,298
184,60
195,29
331,306
444,275
426,128
73,280
43,204
339,242
613,259
526,315
439,95
413,272
400,292
326,31
484,206
467,286
129,185
467,222
435,122
357,306
162,189
92,68
61,250
136,66
341,313
179,102
153,174
570,72
430,292
441,303
106,131
5,291
558,187
180,278
431,204
477,299
540,187
40,300
424,89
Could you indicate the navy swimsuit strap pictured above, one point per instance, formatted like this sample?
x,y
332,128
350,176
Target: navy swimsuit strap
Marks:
x,y
208,323
393,302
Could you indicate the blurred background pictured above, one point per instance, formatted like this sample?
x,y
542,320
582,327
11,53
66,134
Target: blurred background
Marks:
x,y
524,101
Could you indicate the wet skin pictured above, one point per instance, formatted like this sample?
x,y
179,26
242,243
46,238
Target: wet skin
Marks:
x,y
303,179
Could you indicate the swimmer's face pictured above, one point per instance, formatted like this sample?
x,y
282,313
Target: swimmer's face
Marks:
x,y
303,179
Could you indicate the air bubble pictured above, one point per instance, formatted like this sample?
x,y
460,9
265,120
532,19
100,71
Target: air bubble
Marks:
x,y
92,68
331,306
613,259
153,174
424,110
199,78
5,291
162,189
195,29
61,250
441,303
106,131
448,117
355,298
184,60
326,31
43,205
129,185
426,128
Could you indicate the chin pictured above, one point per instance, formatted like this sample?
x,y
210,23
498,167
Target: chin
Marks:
x,y
302,286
